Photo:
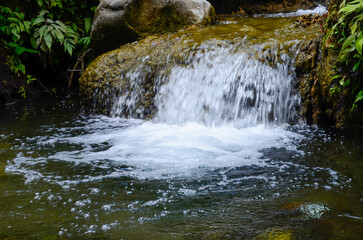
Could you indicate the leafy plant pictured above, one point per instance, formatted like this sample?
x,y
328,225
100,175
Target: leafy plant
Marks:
x,y
47,32
52,32
349,31
15,30
22,92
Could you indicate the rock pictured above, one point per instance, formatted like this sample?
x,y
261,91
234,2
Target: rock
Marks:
x,y
121,21
324,101
261,6
276,234
131,71
308,20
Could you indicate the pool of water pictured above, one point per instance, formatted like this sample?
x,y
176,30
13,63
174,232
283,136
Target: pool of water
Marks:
x,y
64,174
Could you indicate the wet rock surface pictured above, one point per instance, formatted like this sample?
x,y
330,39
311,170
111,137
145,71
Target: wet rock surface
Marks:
x,y
308,20
135,70
316,67
261,6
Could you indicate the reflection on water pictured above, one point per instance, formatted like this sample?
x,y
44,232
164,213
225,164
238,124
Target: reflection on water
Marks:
x,y
71,176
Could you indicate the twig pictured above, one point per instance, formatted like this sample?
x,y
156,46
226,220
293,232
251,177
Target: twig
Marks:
x,y
79,60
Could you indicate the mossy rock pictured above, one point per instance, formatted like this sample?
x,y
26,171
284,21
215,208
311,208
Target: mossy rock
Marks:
x,y
325,102
130,72
276,234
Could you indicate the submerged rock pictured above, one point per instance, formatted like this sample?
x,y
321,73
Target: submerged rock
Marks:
x,y
121,21
276,234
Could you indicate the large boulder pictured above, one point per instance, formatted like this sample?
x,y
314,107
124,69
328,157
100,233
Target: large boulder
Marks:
x,y
121,21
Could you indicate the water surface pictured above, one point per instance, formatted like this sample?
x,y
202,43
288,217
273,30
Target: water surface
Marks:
x,y
73,176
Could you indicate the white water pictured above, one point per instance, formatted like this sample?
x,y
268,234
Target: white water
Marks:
x,y
224,89
321,10
151,150
222,84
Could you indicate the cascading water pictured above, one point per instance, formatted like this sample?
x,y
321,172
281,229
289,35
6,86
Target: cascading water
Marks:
x,y
216,158
222,87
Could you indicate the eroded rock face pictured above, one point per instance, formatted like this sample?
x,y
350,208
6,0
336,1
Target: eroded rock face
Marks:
x,y
121,21
262,6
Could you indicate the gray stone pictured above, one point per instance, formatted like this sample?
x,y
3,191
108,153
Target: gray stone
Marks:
x,y
121,21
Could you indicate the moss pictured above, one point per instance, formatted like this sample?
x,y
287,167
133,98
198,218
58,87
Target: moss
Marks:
x,y
276,234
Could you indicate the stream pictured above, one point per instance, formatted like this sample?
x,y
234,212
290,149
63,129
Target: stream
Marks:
x,y
226,155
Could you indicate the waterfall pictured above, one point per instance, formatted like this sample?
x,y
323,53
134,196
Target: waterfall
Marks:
x,y
219,83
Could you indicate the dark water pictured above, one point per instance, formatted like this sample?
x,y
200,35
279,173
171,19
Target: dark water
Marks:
x,y
66,175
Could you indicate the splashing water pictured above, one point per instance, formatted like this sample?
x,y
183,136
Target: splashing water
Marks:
x,y
221,88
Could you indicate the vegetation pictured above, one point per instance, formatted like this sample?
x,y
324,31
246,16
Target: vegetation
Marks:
x,y
348,34
54,32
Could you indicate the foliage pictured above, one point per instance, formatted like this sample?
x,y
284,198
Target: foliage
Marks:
x,y
349,33
14,30
52,31
47,32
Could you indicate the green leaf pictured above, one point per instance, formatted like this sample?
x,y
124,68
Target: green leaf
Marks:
x,y
50,21
13,45
40,3
21,68
347,42
48,40
359,96
84,41
13,19
15,36
351,7
19,15
356,66
21,50
336,76
38,20
59,35
61,24
342,82
33,42
21,25
87,24
42,31
44,47
27,26
359,43
68,47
